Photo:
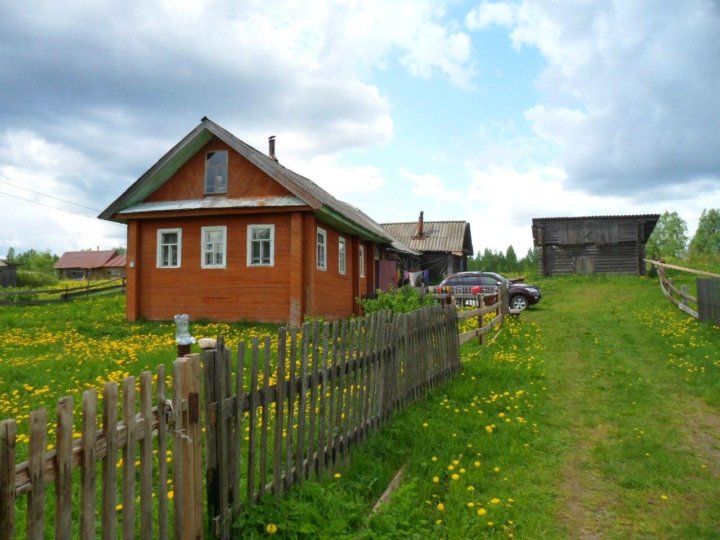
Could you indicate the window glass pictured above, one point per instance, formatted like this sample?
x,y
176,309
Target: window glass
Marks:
x,y
216,172
261,245
214,247
169,245
341,256
321,249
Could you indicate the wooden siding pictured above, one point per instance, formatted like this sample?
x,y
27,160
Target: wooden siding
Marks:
x,y
590,232
237,292
244,179
622,259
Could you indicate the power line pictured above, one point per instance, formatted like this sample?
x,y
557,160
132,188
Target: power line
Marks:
x,y
48,196
55,207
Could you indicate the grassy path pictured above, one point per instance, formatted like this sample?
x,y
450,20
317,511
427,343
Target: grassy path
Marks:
x,y
594,415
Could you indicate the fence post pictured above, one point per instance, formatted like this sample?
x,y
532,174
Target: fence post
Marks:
x,y
481,319
708,295
8,436
504,300
192,454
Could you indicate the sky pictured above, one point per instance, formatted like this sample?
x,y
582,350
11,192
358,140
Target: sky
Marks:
x,y
488,112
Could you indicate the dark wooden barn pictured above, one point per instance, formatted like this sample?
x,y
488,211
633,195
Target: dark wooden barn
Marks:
x,y
592,244
8,274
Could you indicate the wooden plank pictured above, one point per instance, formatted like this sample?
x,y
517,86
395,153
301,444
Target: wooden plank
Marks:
x,y
349,382
302,404
8,441
264,420
224,426
63,469
109,468
312,420
146,457
36,461
162,455
252,420
341,363
239,435
88,443
322,420
178,481
128,470
279,414
212,412
290,477
228,440
331,425
192,454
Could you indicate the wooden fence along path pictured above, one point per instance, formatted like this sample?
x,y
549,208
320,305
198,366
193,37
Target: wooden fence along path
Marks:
x,y
705,306
272,418
22,297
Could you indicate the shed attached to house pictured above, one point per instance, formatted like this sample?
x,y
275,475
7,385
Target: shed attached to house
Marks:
x,y
592,244
219,230
444,246
8,274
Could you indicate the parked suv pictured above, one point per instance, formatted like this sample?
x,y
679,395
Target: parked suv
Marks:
x,y
522,295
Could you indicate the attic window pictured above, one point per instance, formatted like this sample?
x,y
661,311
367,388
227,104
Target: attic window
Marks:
x,y
216,172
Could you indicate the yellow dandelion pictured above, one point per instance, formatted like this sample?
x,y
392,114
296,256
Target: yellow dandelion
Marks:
x,y
271,528
481,511
441,507
435,479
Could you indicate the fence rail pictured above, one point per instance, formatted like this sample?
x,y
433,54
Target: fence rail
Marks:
x,y
272,419
37,297
705,306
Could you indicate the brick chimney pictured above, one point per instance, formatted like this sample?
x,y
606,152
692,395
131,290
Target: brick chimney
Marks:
x,y
271,144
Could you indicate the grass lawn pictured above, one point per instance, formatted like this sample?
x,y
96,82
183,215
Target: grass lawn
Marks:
x,y
596,414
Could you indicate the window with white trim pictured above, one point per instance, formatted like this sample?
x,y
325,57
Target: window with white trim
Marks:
x,y
216,172
261,245
342,258
214,247
361,260
169,248
321,249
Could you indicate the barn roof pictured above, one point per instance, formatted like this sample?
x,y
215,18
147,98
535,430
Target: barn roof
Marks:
x,y
87,259
329,209
446,236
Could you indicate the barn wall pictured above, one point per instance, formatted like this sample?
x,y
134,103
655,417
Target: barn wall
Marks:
x,y
619,259
244,179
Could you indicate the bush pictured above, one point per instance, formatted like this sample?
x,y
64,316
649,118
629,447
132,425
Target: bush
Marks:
x,y
34,280
403,300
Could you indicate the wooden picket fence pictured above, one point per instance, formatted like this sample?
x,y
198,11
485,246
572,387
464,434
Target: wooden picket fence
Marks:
x,y
272,419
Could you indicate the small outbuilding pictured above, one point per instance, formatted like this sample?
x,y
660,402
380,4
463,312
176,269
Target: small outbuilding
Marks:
x,y
444,246
91,265
8,274
592,244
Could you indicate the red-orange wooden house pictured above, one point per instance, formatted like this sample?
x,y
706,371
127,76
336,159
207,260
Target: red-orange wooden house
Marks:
x,y
219,230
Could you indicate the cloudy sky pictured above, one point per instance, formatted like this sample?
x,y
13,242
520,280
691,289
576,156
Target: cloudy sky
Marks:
x,y
490,112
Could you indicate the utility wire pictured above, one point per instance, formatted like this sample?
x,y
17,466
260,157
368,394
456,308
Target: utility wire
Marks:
x,y
56,208
48,196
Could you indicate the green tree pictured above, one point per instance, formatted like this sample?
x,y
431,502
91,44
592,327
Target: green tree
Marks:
x,y
707,237
511,260
669,239
10,257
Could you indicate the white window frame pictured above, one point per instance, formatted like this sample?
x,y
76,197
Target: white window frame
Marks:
x,y
321,250
203,246
250,239
361,260
160,245
342,255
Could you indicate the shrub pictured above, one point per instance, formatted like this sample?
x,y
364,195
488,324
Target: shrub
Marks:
x,y
403,300
34,280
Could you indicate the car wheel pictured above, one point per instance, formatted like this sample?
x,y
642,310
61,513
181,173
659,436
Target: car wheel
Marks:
x,y
518,302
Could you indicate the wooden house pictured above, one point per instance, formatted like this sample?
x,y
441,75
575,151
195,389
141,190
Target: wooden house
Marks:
x,y
91,265
8,274
444,246
592,244
220,230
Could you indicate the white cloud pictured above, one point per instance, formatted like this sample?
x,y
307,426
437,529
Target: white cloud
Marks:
x,y
631,90
431,186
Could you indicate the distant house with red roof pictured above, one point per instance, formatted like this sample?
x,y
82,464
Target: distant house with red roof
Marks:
x,y
91,265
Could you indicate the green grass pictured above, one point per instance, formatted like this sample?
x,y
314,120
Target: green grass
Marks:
x,y
613,398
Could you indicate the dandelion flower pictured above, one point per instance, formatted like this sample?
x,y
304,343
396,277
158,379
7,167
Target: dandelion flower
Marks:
x,y
477,463
455,476
481,511
435,480
441,507
271,528
337,475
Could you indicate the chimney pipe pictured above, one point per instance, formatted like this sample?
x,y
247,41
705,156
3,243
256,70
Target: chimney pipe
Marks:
x,y
420,225
271,142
